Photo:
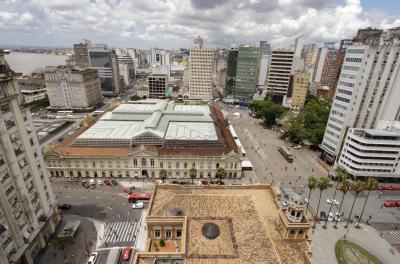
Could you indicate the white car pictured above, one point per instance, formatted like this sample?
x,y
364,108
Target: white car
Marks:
x,y
92,182
197,182
284,203
330,217
99,182
329,201
93,258
138,205
337,217
298,147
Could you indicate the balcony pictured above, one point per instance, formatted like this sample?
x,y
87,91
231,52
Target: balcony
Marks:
x,y
9,124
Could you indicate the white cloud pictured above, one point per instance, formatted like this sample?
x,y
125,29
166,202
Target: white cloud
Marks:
x,y
175,23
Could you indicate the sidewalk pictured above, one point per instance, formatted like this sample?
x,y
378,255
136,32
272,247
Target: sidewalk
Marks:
x,y
324,241
140,243
99,225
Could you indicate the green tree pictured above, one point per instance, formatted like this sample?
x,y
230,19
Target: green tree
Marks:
x,y
163,175
357,187
312,184
267,110
371,185
294,130
193,174
220,174
135,98
341,174
344,189
315,116
322,185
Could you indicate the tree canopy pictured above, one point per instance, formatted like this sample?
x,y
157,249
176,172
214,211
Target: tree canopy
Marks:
x,y
267,110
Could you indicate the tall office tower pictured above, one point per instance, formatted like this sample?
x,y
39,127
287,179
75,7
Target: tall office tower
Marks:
x,y
201,66
300,84
246,73
219,72
231,66
279,73
81,51
126,66
159,61
367,91
344,44
28,209
72,88
119,83
199,42
310,54
100,57
158,84
331,71
264,60
298,46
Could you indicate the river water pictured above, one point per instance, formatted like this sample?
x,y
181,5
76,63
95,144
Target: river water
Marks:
x,y
27,62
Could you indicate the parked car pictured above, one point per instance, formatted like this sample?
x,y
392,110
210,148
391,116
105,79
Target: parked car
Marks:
x,y
175,182
106,182
138,205
128,190
330,217
197,182
126,253
92,182
322,215
389,204
298,147
329,201
220,182
114,182
93,258
337,217
99,182
204,182
284,203
397,204
64,206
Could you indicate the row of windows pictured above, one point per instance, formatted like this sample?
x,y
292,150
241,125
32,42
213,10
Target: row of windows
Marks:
x,y
372,151
354,59
369,157
336,105
346,84
350,68
364,169
342,99
373,145
344,92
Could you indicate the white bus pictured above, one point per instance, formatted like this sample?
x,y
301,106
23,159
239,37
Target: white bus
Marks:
x,y
113,256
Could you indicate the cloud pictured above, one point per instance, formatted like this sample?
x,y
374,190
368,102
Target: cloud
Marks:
x,y
175,23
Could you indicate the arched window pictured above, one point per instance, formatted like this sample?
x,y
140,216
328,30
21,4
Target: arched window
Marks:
x,y
144,162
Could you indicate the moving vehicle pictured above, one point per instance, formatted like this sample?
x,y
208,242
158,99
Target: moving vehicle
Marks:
x,y
128,190
92,182
330,217
323,216
99,182
138,205
126,253
389,204
64,206
113,256
397,204
106,182
93,258
114,182
286,154
135,197
284,203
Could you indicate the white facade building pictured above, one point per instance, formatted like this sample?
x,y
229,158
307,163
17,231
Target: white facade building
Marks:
x,y
28,209
372,152
279,71
201,65
367,92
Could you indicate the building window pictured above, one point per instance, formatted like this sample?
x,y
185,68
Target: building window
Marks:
x,y
185,165
194,165
157,232
152,162
177,165
144,162
169,165
134,162
209,165
161,165
178,233
168,233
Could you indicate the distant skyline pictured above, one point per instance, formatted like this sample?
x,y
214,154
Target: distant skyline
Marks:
x,y
175,23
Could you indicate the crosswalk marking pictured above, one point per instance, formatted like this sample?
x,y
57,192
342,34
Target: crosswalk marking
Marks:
x,y
120,232
392,236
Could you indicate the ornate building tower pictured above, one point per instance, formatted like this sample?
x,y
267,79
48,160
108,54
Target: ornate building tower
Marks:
x,y
292,223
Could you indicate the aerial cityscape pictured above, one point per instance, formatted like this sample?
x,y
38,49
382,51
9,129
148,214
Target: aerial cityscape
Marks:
x,y
194,132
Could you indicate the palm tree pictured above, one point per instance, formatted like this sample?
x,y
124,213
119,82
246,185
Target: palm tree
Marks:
x,y
345,188
371,185
193,173
357,187
323,184
312,184
220,174
163,175
341,174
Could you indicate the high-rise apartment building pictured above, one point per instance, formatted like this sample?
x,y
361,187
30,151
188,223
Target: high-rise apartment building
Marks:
x,y
279,73
81,51
201,66
72,88
300,85
159,61
264,60
28,209
246,73
367,91
344,44
298,46
331,70
126,66
158,84
231,67
119,82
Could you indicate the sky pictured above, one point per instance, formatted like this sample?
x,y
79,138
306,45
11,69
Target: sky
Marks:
x,y
176,23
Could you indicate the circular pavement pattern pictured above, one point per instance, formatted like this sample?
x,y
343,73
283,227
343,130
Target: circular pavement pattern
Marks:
x,y
210,230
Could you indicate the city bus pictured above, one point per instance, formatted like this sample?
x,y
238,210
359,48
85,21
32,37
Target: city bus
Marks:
x,y
113,256
139,197
286,154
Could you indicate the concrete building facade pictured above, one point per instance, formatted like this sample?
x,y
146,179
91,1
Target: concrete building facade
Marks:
x,y
81,53
158,84
72,88
367,92
231,67
28,209
300,83
201,66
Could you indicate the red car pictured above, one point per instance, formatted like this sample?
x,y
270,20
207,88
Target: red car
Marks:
x,y
397,204
389,204
204,182
126,254
107,182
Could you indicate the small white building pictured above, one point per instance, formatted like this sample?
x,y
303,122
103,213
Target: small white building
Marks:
x,y
372,152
